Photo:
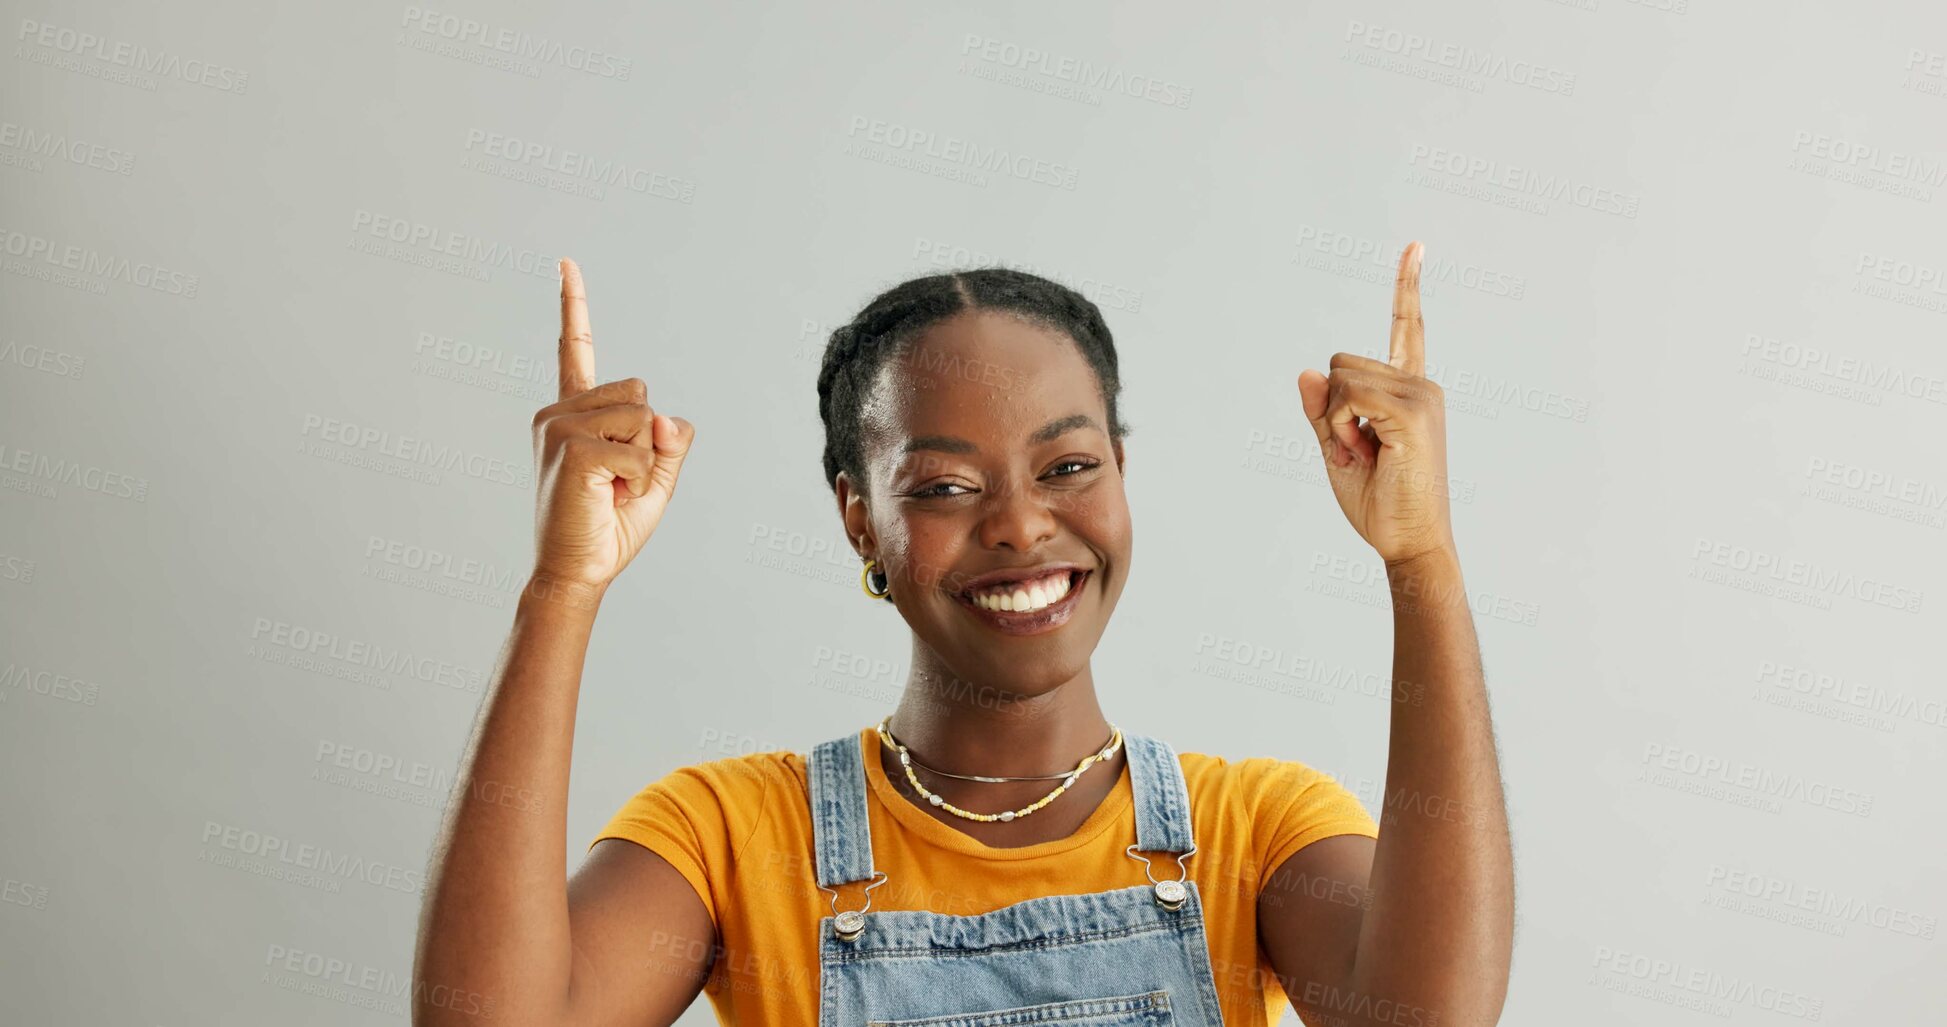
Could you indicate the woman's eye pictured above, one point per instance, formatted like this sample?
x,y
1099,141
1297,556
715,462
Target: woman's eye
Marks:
x,y
932,491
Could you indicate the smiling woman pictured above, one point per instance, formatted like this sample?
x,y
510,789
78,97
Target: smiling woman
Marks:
x,y
995,850
978,498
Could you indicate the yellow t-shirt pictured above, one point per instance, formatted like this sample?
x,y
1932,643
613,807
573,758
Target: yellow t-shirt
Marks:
x,y
739,829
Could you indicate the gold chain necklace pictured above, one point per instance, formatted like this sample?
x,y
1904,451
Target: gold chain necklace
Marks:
x,y
906,763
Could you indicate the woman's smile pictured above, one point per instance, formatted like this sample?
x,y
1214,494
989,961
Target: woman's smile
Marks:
x,y
1027,607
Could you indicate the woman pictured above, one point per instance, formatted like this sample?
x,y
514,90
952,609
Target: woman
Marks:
x,y
996,850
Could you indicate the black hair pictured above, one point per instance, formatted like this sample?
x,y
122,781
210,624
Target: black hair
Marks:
x,y
897,316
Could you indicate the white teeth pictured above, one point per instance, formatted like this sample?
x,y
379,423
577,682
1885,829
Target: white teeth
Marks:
x,y
1037,595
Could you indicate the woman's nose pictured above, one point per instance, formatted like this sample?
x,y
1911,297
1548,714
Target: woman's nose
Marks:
x,y
1019,517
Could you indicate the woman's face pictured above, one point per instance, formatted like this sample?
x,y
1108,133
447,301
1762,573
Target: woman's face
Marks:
x,y
987,450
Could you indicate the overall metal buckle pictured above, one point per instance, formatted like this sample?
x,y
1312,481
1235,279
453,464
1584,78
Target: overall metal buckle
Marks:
x,y
1169,894
851,923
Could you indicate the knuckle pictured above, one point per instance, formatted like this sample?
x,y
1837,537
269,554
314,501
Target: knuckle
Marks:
x,y
569,336
557,430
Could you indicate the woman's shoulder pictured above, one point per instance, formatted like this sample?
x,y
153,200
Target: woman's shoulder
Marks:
x,y
746,776
1261,786
1275,805
1247,772
711,802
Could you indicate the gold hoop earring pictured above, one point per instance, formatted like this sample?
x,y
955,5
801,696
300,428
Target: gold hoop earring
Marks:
x,y
865,582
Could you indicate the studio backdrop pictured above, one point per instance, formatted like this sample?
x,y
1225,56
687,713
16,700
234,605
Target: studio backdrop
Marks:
x,y
280,301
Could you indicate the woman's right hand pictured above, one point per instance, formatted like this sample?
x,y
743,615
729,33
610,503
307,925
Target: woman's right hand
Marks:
x,y
606,461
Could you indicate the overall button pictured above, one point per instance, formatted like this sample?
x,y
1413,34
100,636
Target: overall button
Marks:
x,y
1171,894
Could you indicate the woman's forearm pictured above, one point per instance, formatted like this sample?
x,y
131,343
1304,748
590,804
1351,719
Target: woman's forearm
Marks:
x,y
1439,933
494,938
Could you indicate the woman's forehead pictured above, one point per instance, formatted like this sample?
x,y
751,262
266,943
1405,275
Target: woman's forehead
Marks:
x,y
981,380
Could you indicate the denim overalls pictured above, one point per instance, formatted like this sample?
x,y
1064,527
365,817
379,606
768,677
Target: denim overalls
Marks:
x,y
1127,956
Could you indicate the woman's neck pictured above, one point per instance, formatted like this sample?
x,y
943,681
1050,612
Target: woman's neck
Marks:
x,y
954,725
971,730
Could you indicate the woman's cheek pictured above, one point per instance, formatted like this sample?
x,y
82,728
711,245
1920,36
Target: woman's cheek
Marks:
x,y
927,560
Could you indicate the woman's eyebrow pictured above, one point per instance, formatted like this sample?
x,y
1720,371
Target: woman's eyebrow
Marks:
x,y
1046,433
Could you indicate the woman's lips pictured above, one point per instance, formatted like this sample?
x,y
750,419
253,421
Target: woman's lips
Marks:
x,y
1048,618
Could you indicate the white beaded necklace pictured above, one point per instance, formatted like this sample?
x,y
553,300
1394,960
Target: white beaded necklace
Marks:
x,y
906,763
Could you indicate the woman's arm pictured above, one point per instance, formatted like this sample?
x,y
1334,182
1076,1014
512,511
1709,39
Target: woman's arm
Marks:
x,y
500,940
1416,928
493,931
1440,932
503,937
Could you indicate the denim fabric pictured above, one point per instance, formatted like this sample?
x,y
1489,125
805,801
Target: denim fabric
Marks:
x,y
1104,959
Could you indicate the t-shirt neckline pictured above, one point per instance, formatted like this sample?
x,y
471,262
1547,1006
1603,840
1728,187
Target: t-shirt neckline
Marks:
x,y
1114,807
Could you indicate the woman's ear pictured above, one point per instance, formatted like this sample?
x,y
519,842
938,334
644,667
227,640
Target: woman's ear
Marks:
x,y
853,513
1121,462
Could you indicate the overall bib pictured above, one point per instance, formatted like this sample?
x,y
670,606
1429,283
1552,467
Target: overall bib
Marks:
x,y
1127,956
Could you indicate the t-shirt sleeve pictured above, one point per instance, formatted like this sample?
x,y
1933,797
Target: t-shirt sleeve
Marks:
x,y
1301,805
695,817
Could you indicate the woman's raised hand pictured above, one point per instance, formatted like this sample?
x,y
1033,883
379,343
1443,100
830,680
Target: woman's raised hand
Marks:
x,y
606,461
1389,472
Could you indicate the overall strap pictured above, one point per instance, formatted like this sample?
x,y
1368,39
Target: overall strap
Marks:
x,y
1162,799
841,823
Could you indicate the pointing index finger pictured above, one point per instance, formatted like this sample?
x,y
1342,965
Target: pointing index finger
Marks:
x,y
577,343
1408,352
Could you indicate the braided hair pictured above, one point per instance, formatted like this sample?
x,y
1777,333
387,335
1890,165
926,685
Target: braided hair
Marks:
x,y
890,323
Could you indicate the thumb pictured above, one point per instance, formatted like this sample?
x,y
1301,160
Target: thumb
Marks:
x,y
1314,392
673,436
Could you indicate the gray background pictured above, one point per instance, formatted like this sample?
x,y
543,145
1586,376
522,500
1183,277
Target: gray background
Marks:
x,y
1695,406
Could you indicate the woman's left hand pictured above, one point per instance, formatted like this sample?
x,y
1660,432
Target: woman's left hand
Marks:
x,y
1388,471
